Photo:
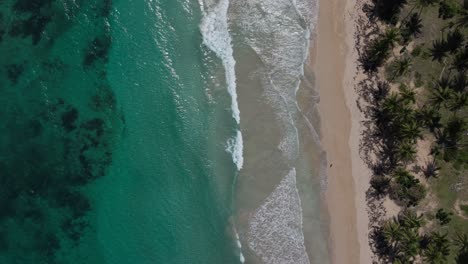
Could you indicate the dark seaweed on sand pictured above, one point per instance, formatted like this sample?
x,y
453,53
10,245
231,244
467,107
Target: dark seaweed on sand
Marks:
x,y
98,50
39,16
14,72
51,147
2,27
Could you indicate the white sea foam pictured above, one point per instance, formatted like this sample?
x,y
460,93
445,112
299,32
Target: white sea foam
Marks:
x,y
235,147
275,229
239,246
279,32
215,30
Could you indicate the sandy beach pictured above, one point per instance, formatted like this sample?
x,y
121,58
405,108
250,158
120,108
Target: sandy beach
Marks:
x,y
335,61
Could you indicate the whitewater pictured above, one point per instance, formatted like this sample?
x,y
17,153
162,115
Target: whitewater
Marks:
x,y
216,36
279,33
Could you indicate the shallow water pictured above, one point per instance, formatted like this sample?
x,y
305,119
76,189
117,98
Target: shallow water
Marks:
x,y
280,214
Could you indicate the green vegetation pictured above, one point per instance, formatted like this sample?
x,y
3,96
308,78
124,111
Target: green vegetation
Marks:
x,y
417,91
464,209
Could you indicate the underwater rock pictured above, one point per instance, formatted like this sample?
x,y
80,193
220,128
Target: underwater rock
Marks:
x,y
74,228
104,99
54,149
69,119
3,241
107,7
14,72
97,50
34,129
34,26
32,6
2,27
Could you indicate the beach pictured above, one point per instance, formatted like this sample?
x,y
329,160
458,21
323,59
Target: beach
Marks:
x,y
335,64
223,131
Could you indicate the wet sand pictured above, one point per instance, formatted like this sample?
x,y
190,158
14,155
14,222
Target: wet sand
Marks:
x,y
334,59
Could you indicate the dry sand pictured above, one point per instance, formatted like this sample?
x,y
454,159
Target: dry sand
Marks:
x,y
335,61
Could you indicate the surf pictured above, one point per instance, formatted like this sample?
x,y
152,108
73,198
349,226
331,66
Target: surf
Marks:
x,y
215,31
216,36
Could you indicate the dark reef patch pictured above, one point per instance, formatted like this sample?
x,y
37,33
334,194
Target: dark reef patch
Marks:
x,y
33,26
106,7
14,72
59,126
39,16
2,26
103,99
34,129
69,119
32,6
97,50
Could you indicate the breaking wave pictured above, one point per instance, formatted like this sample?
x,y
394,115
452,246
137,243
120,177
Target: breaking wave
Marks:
x,y
235,147
215,31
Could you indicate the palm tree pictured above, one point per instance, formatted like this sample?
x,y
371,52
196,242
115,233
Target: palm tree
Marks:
x,y
410,219
460,82
459,100
400,67
454,40
408,95
391,36
380,92
376,54
406,152
440,96
447,9
455,129
405,179
439,49
463,20
431,118
423,4
388,10
392,103
438,249
436,254
462,257
409,245
460,62
406,190
431,169
411,131
413,27
444,81
443,216
461,241
405,113
392,232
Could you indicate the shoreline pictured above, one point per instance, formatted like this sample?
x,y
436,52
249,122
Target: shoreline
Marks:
x,y
334,59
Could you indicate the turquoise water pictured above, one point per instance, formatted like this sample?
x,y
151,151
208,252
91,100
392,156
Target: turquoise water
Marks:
x,y
113,135
163,193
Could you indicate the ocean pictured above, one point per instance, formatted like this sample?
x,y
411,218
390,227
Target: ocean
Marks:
x,y
159,131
